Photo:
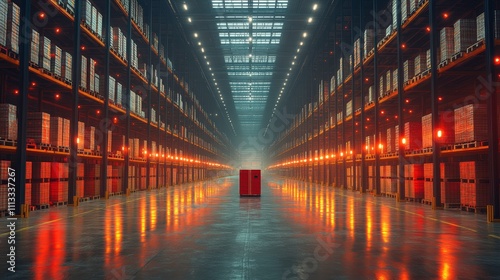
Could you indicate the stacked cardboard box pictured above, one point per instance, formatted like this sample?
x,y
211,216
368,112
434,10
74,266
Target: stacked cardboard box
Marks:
x,y
369,42
45,53
474,185
381,85
428,181
391,137
84,73
13,22
35,47
348,110
120,94
480,26
450,183
446,126
413,135
38,127
414,183
447,42
420,64
58,183
81,135
465,34
57,131
405,10
8,121
56,60
3,22
70,5
92,64
388,81
40,192
86,10
471,123
110,140
66,129
427,131
413,5
66,66
90,138
357,52
4,176
395,80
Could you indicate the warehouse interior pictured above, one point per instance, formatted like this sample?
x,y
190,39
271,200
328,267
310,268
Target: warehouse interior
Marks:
x,y
124,124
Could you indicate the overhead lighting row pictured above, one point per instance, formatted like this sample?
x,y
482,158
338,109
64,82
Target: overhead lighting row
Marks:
x,y
301,43
212,74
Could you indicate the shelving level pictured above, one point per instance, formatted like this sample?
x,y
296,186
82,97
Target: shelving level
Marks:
x,y
378,119
171,139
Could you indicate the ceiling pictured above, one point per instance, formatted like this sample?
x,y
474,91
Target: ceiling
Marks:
x,y
249,50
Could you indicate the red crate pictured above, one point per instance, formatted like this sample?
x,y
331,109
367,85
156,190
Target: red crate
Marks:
x,y
250,182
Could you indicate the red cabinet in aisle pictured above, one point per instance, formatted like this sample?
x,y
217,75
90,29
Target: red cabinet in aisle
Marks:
x,y
250,182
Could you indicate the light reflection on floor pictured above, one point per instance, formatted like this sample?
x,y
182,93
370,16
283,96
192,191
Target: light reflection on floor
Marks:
x,y
206,231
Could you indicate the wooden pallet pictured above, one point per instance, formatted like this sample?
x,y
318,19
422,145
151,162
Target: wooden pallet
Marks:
x,y
8,142
4,50
456,56
42,206
469,145
444,63
13,55
473,209
452,205
413,199
60,203
34,65
426,202
475,46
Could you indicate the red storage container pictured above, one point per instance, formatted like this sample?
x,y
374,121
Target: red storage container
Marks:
x,y
250,182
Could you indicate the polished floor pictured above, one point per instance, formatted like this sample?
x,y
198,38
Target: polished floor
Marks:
x,y
294,231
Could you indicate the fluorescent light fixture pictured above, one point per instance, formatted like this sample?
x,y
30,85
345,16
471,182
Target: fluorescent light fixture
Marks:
x,y
250,19
202,50
199,43
315,7
301,43
310,20
185,6
189,19
196,35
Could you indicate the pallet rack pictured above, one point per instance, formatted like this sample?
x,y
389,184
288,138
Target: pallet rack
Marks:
x,y
367,135
177,140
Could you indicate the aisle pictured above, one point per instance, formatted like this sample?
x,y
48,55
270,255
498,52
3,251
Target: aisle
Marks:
x,y
294,231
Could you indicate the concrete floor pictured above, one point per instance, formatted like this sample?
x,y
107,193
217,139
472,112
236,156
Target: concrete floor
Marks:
x,y
294,231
